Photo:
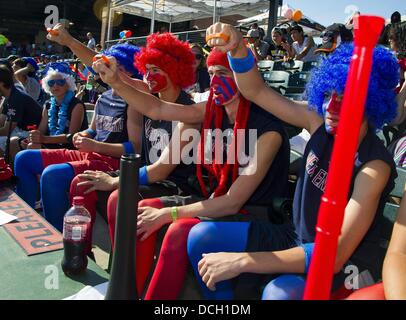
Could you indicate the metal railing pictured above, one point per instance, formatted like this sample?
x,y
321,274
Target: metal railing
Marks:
x,y
193,36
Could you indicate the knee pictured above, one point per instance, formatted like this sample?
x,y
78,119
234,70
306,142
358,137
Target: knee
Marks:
x,y
153,202
56,176
177,233
75,190
200,237
26,160
285,287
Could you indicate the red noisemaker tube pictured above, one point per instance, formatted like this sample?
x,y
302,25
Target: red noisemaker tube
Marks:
x,y
333,203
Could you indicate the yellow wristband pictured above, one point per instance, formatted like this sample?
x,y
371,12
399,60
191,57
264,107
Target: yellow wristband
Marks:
x,y
174,213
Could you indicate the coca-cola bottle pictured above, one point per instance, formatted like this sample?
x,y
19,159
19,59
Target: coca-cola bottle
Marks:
x,y
76,227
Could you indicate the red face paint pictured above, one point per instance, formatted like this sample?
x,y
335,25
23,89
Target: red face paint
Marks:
x,y
331,111
156,82
224,89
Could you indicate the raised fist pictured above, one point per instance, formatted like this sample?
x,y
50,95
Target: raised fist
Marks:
x,y
224,37
59,35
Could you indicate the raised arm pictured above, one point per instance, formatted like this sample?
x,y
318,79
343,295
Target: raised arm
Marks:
x,y
146,103
61,36
253,87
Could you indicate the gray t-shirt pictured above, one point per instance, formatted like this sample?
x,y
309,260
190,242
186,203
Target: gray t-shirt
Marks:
x,y
263,49
33,88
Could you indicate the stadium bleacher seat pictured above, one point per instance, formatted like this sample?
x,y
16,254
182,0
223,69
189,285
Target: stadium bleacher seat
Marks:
x,y
277,80
297,82
265,65
309,65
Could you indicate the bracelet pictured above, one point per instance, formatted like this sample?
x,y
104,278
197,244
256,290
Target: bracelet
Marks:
x,y
143,176
92,133
308,251
242,65
174,213
128,147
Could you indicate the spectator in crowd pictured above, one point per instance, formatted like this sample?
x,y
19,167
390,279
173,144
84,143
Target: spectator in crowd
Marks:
x,y
98,48
53,58
280,49
201,74
63,114
255,26
9,66
19,112
24,71
397,41
373,178
91,44
303,45
395,19
233,185
332,37
258,47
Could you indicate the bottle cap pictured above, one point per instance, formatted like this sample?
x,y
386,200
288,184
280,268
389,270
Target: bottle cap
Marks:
x,y
78,201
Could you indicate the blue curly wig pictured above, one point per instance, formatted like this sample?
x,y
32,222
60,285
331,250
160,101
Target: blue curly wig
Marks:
x,y
332,73
124,53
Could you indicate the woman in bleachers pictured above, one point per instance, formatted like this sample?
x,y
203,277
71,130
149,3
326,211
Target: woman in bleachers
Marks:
x,y
202,77
280,49
261,259
63,114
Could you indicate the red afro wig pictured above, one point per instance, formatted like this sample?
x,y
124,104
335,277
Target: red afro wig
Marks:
x,y
169,54
218,58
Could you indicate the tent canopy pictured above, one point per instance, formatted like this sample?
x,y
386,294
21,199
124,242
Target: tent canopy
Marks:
x,y
172,11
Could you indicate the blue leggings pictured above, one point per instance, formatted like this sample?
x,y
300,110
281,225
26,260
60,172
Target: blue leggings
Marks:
x,y
208,237
55,184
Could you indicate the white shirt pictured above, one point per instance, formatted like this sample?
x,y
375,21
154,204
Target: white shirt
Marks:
x,y
91,44
311,56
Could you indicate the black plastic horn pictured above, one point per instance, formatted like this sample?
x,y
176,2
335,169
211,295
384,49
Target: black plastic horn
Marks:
x,y
122,284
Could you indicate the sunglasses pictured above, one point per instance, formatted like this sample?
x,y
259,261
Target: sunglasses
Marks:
x,y
198,56
59,82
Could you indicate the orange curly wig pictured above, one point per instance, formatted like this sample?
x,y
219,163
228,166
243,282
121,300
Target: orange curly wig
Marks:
x,y
171,55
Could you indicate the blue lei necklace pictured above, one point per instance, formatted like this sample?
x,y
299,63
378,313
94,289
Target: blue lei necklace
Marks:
x,y
57,120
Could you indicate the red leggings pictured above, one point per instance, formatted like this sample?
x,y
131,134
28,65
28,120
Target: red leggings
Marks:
x,y
169,275
374,292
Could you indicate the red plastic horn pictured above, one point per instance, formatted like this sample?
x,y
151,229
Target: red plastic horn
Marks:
x,y
334,200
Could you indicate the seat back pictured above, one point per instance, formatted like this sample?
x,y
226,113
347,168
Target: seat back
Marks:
x,y
265,65
277,79
309,65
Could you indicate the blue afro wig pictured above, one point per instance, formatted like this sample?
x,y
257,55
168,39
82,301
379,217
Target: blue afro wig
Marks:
x,y
332,73
124,54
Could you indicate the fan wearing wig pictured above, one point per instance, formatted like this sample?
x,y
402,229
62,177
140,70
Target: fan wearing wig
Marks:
x,y
63,114
114,130
254,179
261,260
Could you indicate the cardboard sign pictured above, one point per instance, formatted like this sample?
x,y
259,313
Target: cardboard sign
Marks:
x,y
31,231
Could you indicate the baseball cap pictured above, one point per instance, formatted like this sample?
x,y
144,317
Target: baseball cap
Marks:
x,y
252,33
332,36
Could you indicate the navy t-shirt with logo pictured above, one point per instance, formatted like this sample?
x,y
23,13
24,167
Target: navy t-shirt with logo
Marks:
x,y
312,182
111,118
157,134
22,109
